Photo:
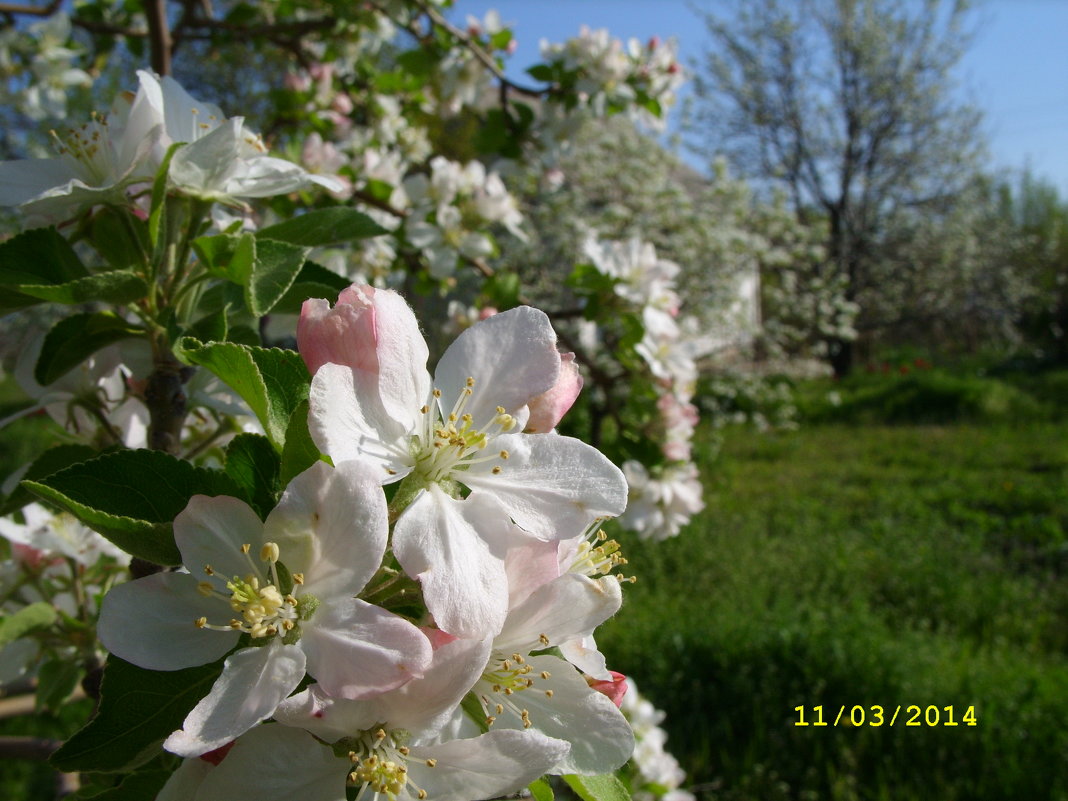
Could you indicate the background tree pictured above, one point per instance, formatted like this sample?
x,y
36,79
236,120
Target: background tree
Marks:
x,y
850,105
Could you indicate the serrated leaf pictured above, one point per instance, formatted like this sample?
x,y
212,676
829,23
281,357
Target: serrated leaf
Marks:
x,y
40,256
74,339
253,464
541,790
115,286
49,462
120,237
300,452
605,787
272,382
275,267
138,709
18,624
132,497
313,281
323,227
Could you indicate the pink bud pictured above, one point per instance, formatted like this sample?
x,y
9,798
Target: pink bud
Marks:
x,y
547,409
654,42
486,312
345,334
513,45
615,688
342,104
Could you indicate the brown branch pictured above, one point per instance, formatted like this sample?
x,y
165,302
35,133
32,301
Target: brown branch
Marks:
x,y
32,748
35,11
159,35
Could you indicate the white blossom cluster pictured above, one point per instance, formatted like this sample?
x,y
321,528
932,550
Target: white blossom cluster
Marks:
x,y
38,68
658,774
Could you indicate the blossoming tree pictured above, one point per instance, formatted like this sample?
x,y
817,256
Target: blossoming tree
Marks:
x,y
352,569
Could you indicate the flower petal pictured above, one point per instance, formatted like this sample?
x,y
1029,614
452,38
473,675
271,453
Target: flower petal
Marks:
x,y
512,356
211,531
253,682
150,623
276,763
464,583
601,739
568,607
347,420
331,525
494,764
356,650
552,486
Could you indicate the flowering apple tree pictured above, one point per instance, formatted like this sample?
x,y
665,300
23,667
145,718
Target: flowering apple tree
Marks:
x,y
291,538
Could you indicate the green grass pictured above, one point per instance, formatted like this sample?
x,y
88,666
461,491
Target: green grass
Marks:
x,y
843,565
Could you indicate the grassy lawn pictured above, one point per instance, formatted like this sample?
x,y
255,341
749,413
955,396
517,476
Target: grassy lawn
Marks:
x,y
864,565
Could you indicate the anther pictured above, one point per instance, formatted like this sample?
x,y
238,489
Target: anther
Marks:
x,y
205,588
545,674
200,622
543,639
298,578
431,763
245,548
269,552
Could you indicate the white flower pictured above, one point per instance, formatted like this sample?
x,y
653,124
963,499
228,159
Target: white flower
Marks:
x,y
329,532
59,534
96,163
221,159
461,429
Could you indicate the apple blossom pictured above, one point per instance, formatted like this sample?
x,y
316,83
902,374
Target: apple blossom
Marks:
x,y
461,430
329,532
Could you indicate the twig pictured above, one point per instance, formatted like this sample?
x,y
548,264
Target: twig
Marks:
x,y
35,11
34,748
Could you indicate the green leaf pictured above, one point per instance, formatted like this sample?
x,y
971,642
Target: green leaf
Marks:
x,y
541,790
116,286
159,195
501,39
503,289
253,464
132,497
49,462
135,787
542,72
40,256
138,709
272,382
323,227
275,268
313,281
217,252
56,680
73,339
35,616
605,787
300,452
120,237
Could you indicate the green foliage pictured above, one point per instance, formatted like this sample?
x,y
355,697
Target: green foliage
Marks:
x,y
74,339
132,497
598,788
846,565
35,616
121,736
272,382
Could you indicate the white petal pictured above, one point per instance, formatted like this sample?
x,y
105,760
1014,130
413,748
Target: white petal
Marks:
x,y
253,682
184,782
464,583
266,176
403,381
601,739
151,623
512,356
211,531
347,420
331,525
356,650
496,763
25,179
277,763
570,606
203,166
552,486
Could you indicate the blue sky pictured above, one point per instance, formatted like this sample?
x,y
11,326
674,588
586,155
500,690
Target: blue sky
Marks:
x,y
1016,69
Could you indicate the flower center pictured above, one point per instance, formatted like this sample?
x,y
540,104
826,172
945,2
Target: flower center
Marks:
x,y
261,609
598,556
379,764
89,146
504,678
446,446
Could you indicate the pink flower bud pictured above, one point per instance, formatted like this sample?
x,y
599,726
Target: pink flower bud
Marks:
x,y
654,42
615,688
513,45
486,312
345,334
547,409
